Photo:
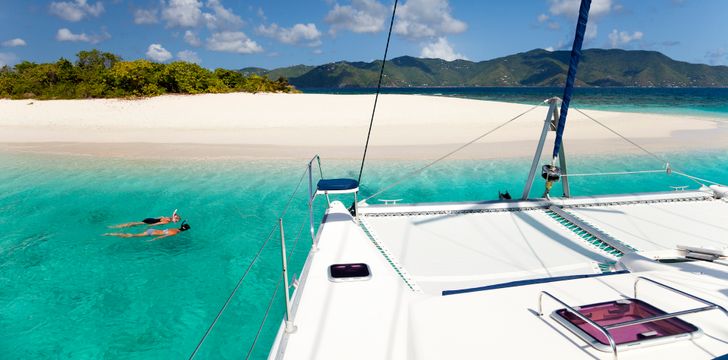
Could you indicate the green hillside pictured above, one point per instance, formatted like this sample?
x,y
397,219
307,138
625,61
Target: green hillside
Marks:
x,y
598,67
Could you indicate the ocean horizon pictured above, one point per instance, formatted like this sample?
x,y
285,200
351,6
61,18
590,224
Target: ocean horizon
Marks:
x,y
712,102
66,291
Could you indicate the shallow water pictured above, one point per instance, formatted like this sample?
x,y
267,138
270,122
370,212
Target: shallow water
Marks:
x,y
68,292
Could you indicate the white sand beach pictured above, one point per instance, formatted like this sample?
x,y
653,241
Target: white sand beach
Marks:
x,y
242,125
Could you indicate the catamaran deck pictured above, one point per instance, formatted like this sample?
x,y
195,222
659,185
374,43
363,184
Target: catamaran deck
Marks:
x,y
502,255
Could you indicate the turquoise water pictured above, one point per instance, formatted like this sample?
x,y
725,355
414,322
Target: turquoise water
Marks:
x,y
68,293
690,101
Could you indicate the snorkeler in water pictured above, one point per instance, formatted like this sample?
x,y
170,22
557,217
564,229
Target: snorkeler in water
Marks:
x,y
160,234
162,220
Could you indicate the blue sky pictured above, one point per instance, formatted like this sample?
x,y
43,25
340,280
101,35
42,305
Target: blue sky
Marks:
x,y
274,33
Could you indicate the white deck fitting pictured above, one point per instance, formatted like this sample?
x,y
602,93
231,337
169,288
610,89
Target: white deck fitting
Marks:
x,y
658,226
447,252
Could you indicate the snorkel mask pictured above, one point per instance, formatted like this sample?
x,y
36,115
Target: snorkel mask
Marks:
x,y
185,226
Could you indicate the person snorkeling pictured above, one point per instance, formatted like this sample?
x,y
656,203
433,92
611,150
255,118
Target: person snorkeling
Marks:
x,y
162,220
160,234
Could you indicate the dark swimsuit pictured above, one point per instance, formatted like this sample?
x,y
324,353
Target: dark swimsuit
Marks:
x,y
152,221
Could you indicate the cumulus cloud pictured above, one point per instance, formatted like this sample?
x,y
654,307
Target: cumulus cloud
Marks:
x,y
156,52
234,42
182,13
7,59
622,38
146,16
76,10
192,39
362,16
440,49
221,18
64,34
189,56
542,18
298,34
192,13
427,18
14,42
717,56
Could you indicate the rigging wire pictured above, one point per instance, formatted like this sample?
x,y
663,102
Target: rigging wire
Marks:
x,y
659,158
246,272
616,173
275,292
376,96
415,172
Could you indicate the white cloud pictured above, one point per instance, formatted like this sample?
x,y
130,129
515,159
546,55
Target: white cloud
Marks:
x,y
542,18
7,59
427,18
14,42
182,13
221,18
362,16
297,34
146,16
192,39
715,57
570,8
621,38
189,56
591,31
234,42
76,10
156,52
190,14
440,49
64,34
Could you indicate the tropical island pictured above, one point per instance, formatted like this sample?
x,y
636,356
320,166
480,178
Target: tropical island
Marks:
x,y
535,68
97,74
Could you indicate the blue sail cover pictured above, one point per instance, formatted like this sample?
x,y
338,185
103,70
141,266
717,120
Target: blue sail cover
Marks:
x,y
571,76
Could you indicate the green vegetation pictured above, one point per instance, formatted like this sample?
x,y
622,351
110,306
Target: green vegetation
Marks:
x,y
99,74
598,67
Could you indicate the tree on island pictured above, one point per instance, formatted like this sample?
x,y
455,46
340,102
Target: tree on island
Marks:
x,y
97,74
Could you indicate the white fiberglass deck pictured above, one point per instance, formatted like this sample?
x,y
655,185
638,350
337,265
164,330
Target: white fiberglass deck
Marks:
x,y
662,225
445,252
416,251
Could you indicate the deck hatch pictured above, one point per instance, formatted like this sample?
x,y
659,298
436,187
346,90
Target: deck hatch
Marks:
x,y
607,314
349,272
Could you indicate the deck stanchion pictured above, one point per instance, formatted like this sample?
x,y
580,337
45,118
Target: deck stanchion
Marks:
x,y
314,246
289,323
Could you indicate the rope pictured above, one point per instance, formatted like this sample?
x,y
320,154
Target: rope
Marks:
x,y
265,317
415,172
245,274
695,178
379,87
661,159
616,173
275,292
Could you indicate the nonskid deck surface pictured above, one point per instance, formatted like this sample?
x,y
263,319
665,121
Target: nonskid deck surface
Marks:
x,y
416,251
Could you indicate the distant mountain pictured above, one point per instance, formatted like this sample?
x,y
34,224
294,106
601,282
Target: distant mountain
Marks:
x,y
598,67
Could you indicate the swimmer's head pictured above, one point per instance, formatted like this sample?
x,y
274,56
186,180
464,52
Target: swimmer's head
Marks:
x,y
175,218
185,226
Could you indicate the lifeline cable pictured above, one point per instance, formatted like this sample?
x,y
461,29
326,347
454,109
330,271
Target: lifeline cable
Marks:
x,y
245,274
379,87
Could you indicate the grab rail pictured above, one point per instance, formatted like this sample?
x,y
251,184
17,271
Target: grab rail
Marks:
x,y
711,305
605,332
605,329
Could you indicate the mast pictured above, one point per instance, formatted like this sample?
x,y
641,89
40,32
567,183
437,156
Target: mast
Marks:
x,y
571,75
